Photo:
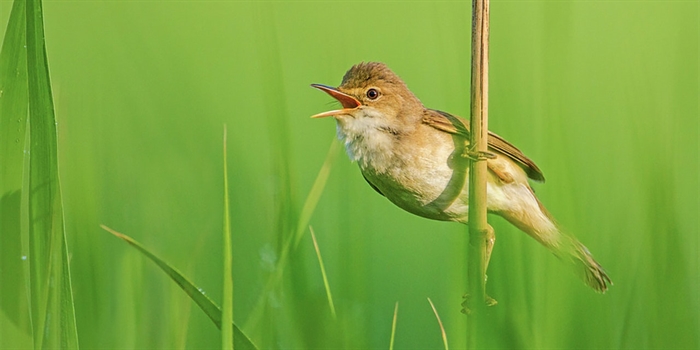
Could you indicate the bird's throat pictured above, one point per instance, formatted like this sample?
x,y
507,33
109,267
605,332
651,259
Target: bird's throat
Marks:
x,y
369,143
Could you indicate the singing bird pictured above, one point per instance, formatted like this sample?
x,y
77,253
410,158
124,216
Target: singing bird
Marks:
x,y
413,156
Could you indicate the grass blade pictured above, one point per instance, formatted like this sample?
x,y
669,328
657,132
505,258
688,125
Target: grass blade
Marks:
x,y
442,329
393,326
53,315
323,273
315,192
304,218
13,121
241,341
227,303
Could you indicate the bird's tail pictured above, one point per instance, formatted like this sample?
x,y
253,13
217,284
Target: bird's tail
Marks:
x,y
580,259
531,217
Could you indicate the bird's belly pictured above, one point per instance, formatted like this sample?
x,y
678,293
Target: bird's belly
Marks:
x,y
434,185
429,183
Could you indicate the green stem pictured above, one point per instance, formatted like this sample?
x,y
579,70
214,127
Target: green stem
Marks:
x,y
478,250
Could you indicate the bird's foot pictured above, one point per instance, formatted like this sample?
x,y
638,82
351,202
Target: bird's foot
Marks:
x,y
474,155
489,301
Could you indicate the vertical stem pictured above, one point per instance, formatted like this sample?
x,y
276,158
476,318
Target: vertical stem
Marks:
x,y
478,226
227,297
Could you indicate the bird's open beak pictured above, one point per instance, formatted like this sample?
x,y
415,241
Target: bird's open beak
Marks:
x,y
349,103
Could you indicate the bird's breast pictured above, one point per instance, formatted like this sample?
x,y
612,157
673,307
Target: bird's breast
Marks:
x,y
425,176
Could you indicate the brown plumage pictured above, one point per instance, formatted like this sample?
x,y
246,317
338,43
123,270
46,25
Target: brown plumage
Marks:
x,y
454,125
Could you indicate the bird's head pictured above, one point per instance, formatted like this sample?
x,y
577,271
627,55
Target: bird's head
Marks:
x,y
372,96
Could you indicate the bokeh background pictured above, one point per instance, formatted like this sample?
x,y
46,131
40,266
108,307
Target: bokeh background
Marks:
x,y
602,95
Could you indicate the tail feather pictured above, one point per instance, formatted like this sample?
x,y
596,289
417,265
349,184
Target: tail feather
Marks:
x,y
587,268
529,215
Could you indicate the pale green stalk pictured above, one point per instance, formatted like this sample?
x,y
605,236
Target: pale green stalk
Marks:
x,y
227,304
442,329
323,273
393,327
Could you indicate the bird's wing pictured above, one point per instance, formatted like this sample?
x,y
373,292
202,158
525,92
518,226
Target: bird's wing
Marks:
x,y
372,185
449,123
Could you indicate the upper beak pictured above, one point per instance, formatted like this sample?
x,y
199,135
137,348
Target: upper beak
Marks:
x,y
349,103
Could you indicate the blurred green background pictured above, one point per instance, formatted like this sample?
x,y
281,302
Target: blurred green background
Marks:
x,y
602,95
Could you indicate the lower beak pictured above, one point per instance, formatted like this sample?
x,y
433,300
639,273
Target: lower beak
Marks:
x,y
349,103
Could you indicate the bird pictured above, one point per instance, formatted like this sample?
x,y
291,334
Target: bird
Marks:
x,y
415,157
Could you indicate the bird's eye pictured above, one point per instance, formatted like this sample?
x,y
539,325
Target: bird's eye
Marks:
x,y
372,94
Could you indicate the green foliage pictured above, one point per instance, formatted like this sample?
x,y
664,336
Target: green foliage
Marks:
x,y
53,316
13,121
393,327
227,294
442,328
326,284
603,96
50,302
214,312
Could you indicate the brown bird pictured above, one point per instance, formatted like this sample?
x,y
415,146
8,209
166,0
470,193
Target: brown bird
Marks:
x,y
412,155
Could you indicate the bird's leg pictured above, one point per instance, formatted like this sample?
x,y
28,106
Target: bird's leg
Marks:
x,y
488,238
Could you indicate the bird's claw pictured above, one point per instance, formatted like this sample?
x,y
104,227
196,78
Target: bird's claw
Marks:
x,y
489,301
474,155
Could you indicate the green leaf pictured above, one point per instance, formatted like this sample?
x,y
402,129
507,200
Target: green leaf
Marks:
x,y
241,341
442,328
393,327
53,315
315,193
13,121
227,303
326,285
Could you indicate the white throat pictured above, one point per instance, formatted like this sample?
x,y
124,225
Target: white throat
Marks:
x,y
368,141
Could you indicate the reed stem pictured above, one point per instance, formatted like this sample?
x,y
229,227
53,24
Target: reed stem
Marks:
x,y
479,230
